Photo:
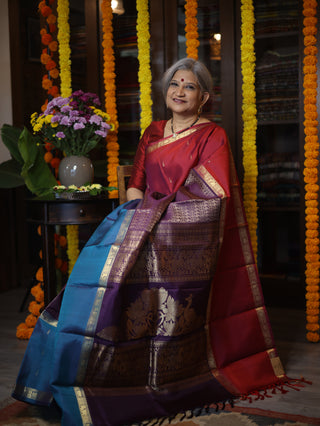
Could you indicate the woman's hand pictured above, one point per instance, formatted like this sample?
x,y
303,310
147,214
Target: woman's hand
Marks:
x,y
134,194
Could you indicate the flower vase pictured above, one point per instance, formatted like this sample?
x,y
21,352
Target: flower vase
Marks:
x,y
76,170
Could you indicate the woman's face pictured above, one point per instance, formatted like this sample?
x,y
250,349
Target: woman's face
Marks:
x,y
184,95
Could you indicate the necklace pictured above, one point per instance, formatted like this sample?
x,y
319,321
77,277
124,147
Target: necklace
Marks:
x,y
174,134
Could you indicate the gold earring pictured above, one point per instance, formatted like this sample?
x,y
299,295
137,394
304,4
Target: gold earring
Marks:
x,y
200,110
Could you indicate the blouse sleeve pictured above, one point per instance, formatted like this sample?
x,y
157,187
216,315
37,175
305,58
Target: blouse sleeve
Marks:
x,y
138,175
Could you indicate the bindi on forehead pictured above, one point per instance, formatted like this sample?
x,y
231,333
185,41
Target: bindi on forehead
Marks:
x,y
182,79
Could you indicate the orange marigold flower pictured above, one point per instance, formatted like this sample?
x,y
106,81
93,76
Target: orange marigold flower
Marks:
x,y
35,289
310,50
313,327
54,73
45,58
46,11
39,274
35,308
41,4
43,31
31,320
313,337
48,157
22,333
46,39
53,46
51,19
51,65
48,146
46,84
310,40
22,326
54,91
62,241
310,30
55,162
44,106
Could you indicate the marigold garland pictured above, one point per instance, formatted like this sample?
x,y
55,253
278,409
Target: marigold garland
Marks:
x,y
51,46
191,28
66,90
73,245
25,329
64,47
144,73
311,151
249,117
51,71
109,78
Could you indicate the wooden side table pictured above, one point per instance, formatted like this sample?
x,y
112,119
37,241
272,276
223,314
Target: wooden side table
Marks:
x,y
48,213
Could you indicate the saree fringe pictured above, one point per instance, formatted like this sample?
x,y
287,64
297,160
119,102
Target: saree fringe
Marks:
x,y
295,384
280,386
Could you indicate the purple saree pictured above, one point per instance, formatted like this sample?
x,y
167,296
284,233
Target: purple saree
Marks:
x,y
163,311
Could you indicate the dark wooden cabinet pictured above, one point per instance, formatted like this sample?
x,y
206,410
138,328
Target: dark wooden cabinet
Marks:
x,y
280,150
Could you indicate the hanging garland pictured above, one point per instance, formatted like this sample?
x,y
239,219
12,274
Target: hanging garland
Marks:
x,y
52,156
311,150
65,77
191,28
64,47
50,47
25,329
144,73
109,78
249,117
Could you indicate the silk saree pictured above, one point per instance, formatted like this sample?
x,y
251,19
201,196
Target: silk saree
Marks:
x,y
163,311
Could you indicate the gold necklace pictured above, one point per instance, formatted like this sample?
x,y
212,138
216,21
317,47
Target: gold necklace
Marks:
x,y
174,134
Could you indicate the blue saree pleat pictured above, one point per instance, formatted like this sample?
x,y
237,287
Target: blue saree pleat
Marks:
x,y
51,363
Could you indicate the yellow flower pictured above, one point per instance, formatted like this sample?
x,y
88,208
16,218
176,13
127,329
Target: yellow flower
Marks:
x,y
249,112
109,77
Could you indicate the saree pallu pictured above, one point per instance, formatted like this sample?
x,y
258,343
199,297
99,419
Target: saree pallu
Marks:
x,y
163,312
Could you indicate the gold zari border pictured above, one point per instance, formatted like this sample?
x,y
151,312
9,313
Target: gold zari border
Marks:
x,y
169,140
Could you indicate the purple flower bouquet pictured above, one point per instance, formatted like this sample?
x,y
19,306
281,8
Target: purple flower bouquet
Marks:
x,y
75,125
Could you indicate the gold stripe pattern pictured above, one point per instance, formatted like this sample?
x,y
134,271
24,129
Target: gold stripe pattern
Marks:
x,y
264,326
83,407
276,363
210,180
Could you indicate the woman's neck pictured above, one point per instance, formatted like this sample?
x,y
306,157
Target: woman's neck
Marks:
x,y
180,123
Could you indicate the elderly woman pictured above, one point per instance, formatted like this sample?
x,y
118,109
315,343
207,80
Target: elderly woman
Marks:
x,y
163,311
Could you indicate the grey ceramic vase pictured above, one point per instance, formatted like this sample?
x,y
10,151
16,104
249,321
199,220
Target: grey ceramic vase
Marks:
x,y
76,170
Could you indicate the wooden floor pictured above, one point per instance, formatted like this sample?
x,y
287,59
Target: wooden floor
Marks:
x,y
300,358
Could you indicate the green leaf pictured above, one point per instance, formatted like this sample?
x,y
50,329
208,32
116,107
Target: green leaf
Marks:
x,y
10,136
10,174
35,171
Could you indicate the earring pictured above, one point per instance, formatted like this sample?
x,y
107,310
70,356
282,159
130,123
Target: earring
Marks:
x,y
200,110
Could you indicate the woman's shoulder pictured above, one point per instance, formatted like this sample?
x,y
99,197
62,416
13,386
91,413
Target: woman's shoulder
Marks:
x,y
155,130
211,126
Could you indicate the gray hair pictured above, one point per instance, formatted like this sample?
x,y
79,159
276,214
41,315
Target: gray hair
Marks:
x,y
199,70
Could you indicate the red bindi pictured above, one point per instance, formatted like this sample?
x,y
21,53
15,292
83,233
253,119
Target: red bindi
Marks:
x,y
182,79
